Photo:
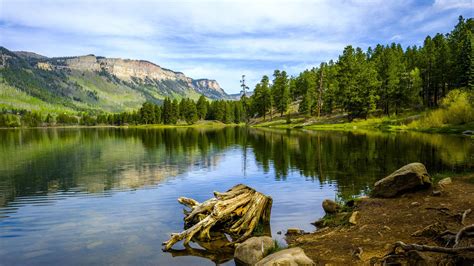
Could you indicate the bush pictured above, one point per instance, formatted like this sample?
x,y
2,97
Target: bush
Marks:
x,y
455,109
459,108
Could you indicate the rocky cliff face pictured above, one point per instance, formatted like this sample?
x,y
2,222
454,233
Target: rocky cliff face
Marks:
x,y
139,71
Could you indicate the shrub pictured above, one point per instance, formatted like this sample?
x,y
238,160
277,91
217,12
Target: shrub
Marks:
x,y
455,109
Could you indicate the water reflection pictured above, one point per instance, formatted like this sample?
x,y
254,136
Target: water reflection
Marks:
x,y
95,160
108,196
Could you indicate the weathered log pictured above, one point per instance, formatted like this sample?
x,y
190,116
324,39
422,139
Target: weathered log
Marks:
x,y
236,212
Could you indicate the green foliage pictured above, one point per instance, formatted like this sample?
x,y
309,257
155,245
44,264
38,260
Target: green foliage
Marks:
x,y
31,119
262,100
65,119
147,113
386,79
202,107
276,247
457,108
9,120
280,91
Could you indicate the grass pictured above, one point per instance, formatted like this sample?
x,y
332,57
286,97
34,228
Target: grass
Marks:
x,y
276,247
338,123
12,98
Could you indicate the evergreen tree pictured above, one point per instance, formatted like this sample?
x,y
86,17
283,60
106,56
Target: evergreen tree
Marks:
x,y
202,106
167,112
157,111
228,113
280,91
357,83
174,112
147,113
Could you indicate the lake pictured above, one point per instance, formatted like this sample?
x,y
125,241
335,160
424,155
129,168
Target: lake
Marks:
x,y
109,195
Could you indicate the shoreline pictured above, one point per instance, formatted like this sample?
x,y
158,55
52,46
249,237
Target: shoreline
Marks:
x,y
412,218
337,123
204,124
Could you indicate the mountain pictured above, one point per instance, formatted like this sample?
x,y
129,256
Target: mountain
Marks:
x,y
86,83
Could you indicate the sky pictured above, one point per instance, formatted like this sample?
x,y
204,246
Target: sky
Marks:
x,y
222,39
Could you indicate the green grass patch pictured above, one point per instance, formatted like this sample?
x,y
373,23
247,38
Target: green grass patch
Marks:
x,y
276,247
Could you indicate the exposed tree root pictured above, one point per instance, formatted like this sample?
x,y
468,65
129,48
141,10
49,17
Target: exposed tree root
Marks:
x,y
464,215
455,249
236,212
408,247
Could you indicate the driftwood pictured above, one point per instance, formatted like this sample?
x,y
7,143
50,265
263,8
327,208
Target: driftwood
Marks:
x,y
236,212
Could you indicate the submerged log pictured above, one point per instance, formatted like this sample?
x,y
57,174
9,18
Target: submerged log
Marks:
x,y
236,212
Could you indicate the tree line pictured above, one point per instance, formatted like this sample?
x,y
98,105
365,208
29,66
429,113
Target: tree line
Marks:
x,y
384,79
170,112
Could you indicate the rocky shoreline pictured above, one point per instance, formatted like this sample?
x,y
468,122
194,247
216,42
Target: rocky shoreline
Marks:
x,y
408,220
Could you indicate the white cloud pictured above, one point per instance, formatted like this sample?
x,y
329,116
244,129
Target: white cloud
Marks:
x,y
450,4
220,39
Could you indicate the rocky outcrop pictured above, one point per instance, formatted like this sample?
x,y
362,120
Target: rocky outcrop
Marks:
x,y
290,257
408,178
253,249
140,71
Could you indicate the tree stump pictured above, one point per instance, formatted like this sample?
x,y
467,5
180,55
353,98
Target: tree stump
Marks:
x,y
236,213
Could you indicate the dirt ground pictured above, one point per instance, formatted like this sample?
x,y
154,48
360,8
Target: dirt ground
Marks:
x,y
383,222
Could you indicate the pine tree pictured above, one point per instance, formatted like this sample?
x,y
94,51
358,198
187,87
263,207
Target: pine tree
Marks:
x,y
280,91
202,107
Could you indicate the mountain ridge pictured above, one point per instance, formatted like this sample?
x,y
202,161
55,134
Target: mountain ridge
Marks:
x,y
85,82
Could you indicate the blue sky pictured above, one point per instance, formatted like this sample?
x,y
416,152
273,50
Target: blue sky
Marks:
x,y
222,39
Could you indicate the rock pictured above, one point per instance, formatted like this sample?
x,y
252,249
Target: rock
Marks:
x,y
290,257
445,182
415,204
294,231
436,193
253,249
354,218
330,206
408,178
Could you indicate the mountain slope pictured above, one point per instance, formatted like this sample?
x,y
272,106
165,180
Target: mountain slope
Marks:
x,y
92,83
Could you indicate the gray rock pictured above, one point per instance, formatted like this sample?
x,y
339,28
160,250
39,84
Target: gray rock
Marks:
x,y
253,249
445,182
408,178
287,257
330,206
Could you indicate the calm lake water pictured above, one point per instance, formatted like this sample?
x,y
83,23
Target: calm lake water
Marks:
x,y
108,196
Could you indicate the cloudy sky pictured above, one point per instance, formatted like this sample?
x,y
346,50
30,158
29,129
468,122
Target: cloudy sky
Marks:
x,y
222,39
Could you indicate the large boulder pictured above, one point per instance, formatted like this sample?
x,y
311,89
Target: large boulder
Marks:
x,y
253,249
408,178
287,257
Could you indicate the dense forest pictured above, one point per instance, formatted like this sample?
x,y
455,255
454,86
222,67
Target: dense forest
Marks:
x,y
383,80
